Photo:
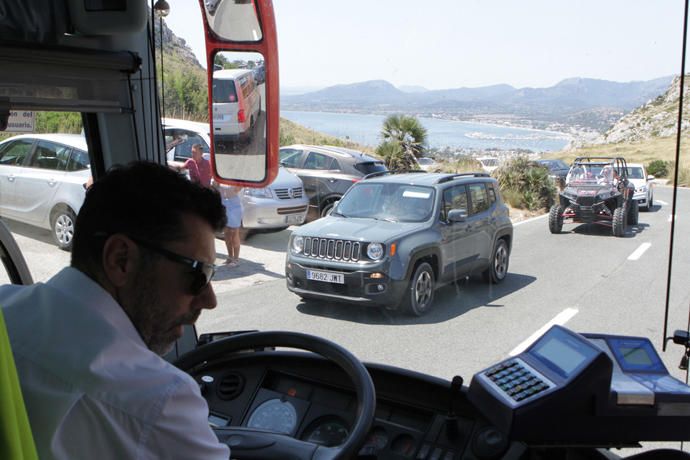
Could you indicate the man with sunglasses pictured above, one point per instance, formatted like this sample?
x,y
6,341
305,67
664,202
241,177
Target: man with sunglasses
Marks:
x,y
88,343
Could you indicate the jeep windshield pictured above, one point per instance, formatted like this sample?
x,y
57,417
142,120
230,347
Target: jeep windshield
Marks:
x,y
392,202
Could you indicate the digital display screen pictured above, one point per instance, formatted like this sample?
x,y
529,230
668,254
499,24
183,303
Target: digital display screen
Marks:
x,y
636,356
561,355
215,420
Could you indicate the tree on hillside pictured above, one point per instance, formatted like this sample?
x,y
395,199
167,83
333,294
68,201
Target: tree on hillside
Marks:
x,y
404,140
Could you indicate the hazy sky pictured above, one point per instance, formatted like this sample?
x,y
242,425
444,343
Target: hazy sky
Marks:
x,y
455,43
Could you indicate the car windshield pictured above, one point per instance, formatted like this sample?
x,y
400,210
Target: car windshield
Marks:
x,y
478,86
635,172
370,167
392,202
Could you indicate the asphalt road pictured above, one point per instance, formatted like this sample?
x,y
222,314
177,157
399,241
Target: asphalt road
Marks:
x,y
584,278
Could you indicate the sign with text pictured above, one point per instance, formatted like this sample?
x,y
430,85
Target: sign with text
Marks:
x,y
21,121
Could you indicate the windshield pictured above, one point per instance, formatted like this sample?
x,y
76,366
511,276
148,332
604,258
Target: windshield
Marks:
x,y
635,172
502,83
393,202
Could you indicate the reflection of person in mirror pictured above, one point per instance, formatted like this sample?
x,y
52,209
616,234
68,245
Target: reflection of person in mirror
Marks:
x,y
199,167
232,200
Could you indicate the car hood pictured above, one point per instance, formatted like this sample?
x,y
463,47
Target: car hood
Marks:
x,y
286,179
359,229
637,182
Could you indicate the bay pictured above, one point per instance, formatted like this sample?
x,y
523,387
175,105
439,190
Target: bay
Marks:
x,y
365,129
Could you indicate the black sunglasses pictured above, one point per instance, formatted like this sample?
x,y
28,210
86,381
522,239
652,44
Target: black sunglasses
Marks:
x,y
202,272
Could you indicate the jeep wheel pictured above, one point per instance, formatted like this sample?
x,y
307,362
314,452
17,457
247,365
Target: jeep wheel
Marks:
x,y
498,269
634,214
62,225
619,221
420,292
556,218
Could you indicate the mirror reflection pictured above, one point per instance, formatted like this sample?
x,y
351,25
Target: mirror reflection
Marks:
x,y
234,20
238,125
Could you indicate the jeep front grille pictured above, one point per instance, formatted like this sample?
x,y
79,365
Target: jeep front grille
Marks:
x,y
325,248
289,193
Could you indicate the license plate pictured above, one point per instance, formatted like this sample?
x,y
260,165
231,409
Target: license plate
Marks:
x,y
328,277
293,220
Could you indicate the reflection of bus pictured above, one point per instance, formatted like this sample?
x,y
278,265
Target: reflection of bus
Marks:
x,y
236,103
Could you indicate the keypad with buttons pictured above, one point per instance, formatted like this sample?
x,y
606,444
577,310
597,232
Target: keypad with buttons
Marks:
x,y
516,380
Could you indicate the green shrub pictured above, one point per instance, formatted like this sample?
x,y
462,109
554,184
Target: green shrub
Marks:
x,y
658,168
525,184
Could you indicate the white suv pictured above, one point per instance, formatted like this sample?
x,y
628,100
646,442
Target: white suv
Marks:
x,y
43,180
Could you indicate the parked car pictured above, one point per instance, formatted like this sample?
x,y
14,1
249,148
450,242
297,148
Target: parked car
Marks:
x,y
489,164
427,164
281,204
644,186
327,172
393,239
43,181
558,170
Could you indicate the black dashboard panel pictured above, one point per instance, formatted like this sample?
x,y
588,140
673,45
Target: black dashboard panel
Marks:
x,y
309,398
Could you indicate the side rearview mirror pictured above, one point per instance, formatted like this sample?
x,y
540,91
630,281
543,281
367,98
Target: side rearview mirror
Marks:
x,y
650,177
457,215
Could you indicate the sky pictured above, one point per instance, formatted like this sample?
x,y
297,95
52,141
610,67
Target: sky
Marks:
x,y
440,44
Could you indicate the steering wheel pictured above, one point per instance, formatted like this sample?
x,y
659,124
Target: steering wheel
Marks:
x,y
249,443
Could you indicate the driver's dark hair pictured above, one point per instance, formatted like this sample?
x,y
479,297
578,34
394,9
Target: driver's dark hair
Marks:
x,y
143,200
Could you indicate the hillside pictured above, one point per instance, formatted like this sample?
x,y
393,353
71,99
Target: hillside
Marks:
x,y
572,103
656,118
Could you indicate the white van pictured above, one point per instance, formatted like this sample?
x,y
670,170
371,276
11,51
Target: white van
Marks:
x,y
236,104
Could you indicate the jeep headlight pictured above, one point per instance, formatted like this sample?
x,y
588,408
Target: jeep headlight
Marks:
x,y
297,244
642,189
375,251
258,192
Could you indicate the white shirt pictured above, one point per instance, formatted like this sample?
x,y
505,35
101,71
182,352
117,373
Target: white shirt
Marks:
x,y
92,388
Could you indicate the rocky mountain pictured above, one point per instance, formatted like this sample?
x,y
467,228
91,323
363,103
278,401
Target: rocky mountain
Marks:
x,y
575,102
656,118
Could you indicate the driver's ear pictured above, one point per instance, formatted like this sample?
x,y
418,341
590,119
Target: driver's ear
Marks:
x,y
120,258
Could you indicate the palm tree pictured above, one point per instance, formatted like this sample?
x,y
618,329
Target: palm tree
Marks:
x,y
404,140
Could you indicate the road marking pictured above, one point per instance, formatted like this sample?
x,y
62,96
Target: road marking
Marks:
x,y
661,202
560,319
530,220
639,251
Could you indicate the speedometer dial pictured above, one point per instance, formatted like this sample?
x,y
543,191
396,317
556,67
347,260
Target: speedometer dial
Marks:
x,y
274,415
327,431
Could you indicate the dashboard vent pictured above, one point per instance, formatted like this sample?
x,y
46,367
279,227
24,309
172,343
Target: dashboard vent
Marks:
x,y
230,386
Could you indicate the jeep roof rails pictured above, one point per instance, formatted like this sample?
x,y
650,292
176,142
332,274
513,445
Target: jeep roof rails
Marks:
x,y
456,176
377,174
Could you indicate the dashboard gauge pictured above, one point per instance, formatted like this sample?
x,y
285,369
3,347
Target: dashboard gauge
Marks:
x,y
274,415
403,444
378,438
327,431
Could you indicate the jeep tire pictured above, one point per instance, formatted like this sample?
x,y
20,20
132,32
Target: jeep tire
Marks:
x,y
556,218
498,269
618,222
419,294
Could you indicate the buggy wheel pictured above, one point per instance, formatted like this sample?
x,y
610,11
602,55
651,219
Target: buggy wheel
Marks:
x,y
420,292
498,269
556,218
619,221
634,214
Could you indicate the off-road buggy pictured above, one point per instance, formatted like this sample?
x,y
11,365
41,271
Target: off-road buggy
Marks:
x,y
597,191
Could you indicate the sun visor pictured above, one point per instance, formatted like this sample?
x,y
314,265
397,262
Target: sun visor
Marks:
x,y
67,79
